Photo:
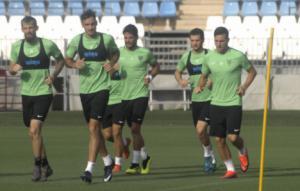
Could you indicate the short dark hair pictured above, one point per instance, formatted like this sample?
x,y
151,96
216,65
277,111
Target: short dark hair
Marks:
x,y
221,31
198,32
28,20
131,29
87,14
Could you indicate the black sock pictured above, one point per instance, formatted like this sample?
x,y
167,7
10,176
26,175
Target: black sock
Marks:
x,y
37,161
44,162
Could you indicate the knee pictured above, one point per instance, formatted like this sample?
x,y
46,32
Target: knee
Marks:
x,y
107,135
220,140
232,138
33,132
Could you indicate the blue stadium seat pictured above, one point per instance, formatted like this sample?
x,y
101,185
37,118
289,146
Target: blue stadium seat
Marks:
x,y
268,8
167,9
16,8
150,9
2,8
75,7
56,8
249,8
287,8
132,8
94,5
112,8
231,8
37,8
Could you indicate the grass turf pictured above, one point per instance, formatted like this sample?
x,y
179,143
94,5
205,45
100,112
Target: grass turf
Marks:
x,y
171,142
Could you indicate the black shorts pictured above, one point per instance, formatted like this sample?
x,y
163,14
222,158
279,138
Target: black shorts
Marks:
x,y
35,107
135,110
225,120
113,114
200,111
94,104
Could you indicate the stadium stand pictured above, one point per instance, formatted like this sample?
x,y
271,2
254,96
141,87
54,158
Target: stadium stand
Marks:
x,y
249,8
231,8
112,7
95,5
16,8
132,8
150,9
75,7
268,8
56,8
37,8
167,9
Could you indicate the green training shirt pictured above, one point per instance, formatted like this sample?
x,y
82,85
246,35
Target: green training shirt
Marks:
x,y
93,77
196,59
33,81
225,71
134,67
115,92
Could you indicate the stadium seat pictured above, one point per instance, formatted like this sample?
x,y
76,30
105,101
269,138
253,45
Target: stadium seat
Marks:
x,y
141,29
214,21
232,22
150,9
94,5
249,8
2,8
14,27
56,8
287,21
268,8
75,7
231,8
167,9
132,8
37,8
287,8
72,26
112,7
16,8
125,20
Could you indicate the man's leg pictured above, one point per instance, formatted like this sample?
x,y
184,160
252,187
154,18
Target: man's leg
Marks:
x,y
238,142
35,130
118,146
209,158
225,155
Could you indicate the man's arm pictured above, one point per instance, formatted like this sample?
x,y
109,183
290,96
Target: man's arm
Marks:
x,y
154,71
14,68
59,64
178,76
250,77
201,84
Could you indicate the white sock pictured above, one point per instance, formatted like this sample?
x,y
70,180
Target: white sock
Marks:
x,y
124,141
90,166
213,156
107,160
136,156
207,150
242,151
118,161
229,165
144,154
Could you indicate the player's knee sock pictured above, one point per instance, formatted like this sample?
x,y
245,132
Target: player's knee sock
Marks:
x,y
44,162
229,165
136,157
90,166
118,161
207,150
107,160
144,153
37,161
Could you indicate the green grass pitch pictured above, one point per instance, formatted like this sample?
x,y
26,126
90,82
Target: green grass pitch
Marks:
x,y
170,140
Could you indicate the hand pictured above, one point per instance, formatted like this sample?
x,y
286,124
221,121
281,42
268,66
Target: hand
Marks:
x,y
147,79
79,64
107,67
197,90
15,68
49,80
241,90
183,83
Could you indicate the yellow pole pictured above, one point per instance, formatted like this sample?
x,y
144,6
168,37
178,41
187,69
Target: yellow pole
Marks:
x,y
266,99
